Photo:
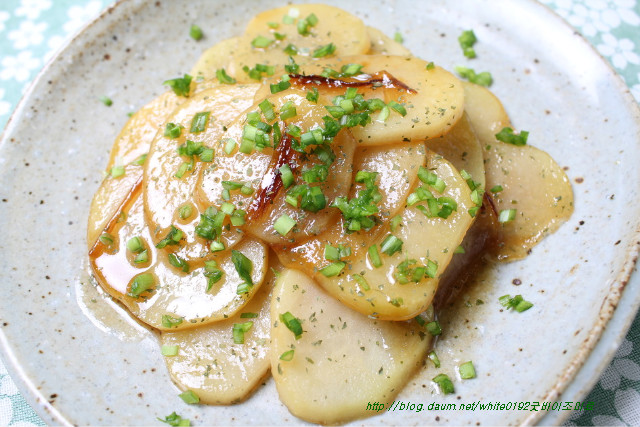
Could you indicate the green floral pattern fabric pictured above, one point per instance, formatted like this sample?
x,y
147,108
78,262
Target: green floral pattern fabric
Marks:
x,y
31,31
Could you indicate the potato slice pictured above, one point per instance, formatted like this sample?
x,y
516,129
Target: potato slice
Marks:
x,y
216,57
343,359
433,98
260,170
381,44
462,148
533,183
164,193
209,362
424,239
175,299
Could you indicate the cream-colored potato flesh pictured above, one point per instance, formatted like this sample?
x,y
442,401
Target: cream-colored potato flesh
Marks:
x,y
343,359
209,362
381,44
533,183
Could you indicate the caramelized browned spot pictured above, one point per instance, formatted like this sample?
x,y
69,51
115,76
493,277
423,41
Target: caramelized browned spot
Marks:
x,y
272,181
380,79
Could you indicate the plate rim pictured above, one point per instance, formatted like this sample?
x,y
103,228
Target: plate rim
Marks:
x,y
599,338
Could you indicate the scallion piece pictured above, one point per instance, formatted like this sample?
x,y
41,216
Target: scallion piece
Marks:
x,y
199,122
284,224
142,257
248,315
117,171
267,110
326,50
434,328
313,95
361,281
483,79
195,32
374,256
333,269
292,323
398,37
261,42
496,188
287,356
169,350
467,39
178,262
180,86
216,246
141,283
229,145
280,86
506,215
189,397
239,330
399,108
135,245
444,383
286,175
467,371
172,130
390,245
106,101
175,420
243,266
431,66
223,77
173,238
507,135
434,359
169,321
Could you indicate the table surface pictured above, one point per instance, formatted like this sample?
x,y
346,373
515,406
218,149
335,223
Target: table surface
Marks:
x,y
31,31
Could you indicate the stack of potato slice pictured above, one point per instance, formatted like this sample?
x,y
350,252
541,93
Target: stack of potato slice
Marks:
x,y
198,231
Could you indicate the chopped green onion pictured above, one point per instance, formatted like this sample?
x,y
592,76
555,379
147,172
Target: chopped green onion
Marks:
x,y
292,323
483,79
238,217
261,42
141,282
434,328
286,175
444,383
239,330
195,32
223,77
267,110
216,246
287,111
434,359
170,321
287,356
117,171
135,245
374,256
173,238
280,86
243,266
169,350
175,420
333,269
398,108
172,130
517,303
384,114
390,245
313,95
106,101
180,86
229,145
395,222
467,371
291,50
199,122
496,188
431,66
248,315
459,250
326,50
178,262
432,269
467,39
312,20
507,135
140,160
142,257
398,37
506,215
284,224
189,397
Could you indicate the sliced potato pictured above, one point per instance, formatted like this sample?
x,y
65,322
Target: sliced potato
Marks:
x,y
381,44
433,98
164,193
343,359
174,298
209,362
377,291
533,183
216,57
462,148
260,170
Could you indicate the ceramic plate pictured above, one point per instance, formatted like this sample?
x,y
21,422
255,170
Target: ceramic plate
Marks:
x,y
77,366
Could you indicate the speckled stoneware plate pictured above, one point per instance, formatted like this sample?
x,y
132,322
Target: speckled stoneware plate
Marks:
x,y
78,365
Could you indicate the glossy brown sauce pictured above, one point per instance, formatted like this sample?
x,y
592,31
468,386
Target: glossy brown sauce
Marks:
x,y
380,79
